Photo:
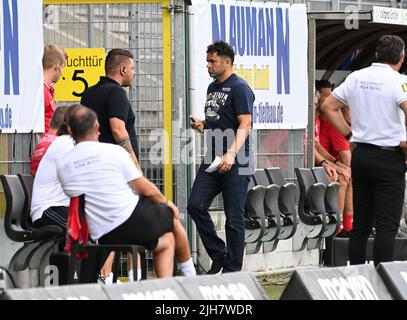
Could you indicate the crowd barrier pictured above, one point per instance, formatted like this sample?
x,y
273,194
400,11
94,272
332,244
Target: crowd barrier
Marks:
x,y
356,282
230,286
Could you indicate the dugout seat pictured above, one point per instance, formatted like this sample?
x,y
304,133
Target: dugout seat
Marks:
x,y
27,182
36,242
83,263
286,203
271,211
311,211
254,217
331,201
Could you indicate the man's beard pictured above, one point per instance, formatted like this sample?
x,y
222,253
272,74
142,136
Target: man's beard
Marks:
x,y
127,83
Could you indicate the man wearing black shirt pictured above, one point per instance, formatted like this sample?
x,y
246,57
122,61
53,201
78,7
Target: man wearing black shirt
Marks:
x,y
228,118
109,100
116,118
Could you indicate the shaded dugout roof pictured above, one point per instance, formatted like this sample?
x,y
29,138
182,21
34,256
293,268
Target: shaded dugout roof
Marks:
x,y
341,48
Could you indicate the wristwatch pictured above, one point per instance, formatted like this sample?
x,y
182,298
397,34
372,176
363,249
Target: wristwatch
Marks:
x,y
349,135
323,161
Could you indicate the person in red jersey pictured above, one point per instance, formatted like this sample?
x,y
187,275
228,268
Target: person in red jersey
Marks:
x,y
53,61
40,149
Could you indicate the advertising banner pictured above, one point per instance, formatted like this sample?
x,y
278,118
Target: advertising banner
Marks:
x,y
21,79
270,44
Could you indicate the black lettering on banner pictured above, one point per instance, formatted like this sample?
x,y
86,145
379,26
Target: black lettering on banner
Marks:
x,y
75,77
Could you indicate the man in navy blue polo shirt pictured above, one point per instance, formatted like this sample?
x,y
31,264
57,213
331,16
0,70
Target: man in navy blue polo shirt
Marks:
x,y
228,120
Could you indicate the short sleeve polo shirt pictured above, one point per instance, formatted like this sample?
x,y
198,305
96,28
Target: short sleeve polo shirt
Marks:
x,y
374,95
109,100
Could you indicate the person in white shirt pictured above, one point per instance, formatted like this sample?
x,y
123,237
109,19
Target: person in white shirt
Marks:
x,y
121,206
49,204
377,100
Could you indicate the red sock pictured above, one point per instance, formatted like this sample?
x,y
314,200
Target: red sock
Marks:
x,y
348,221
340,229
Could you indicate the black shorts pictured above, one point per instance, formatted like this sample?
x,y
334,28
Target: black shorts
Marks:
x,y
148,222
53,216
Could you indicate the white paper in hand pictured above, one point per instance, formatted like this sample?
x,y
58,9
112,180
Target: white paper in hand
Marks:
x,y
214,165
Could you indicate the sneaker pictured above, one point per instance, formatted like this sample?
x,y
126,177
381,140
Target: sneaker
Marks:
x,y
130,275
101,280
109,279
217,267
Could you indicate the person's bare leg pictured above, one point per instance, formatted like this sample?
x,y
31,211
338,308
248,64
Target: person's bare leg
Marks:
x,y
130,260
348,199
342,193
164,256
182,252
107,266
130,271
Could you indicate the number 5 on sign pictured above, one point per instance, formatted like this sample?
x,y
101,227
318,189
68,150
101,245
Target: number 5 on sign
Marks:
x,y
83,68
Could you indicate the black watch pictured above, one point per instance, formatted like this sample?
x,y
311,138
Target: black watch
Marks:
x,y
323,161
349,135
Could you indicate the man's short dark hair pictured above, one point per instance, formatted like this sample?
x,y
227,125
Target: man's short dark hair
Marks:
x,y
115,57
223,49
389,48
81,122
58,118
319,84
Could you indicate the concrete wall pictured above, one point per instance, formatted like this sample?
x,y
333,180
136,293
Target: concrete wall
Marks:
x,y
281,258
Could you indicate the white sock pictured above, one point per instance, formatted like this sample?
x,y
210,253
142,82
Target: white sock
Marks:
x,y
109,279
138,274
130,275
187,268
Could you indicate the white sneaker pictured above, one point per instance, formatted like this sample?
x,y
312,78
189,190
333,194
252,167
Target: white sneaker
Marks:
x,y
109,279
130,275
101,280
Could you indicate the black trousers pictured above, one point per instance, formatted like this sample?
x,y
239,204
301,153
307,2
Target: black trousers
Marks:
x,y
378,178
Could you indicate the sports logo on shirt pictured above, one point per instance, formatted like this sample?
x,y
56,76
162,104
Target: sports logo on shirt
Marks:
x,y
404,86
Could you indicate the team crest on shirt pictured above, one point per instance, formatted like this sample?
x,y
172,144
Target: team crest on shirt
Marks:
x,y
214,101
404,86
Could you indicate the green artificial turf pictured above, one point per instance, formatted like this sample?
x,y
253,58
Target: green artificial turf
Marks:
x,y
274,284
